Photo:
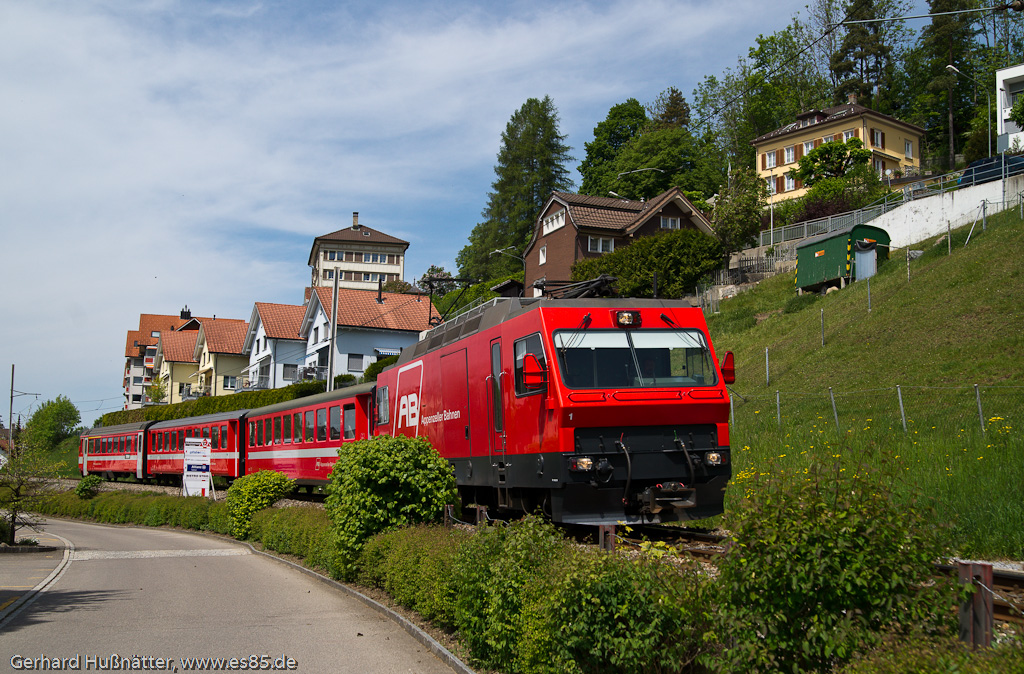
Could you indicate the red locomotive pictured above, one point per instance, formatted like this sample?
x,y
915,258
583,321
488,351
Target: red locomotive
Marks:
x,y
595,411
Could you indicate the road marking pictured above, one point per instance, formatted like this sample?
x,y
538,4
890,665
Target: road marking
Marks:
x,y
9,602
89,555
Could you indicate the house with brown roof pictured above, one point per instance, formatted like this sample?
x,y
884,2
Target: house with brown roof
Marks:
x,y
571,227
359,256
371,325
176,364
140,352
218,352
274,346
895,145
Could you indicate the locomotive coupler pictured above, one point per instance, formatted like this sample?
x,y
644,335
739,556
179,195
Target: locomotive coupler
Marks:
x,y
667,496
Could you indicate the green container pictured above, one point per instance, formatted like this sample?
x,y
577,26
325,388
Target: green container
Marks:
x,y
830,259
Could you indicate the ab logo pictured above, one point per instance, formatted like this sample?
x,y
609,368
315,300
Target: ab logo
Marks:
x,y
409,410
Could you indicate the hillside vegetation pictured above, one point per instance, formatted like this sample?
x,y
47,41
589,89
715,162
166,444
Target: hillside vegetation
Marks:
x,y
948,336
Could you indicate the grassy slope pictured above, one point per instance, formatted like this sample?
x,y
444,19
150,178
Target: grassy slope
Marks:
x,y
959,321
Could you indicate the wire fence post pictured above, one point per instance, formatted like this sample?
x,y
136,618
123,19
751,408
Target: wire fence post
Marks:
x,y
823,327
984,215
981,417
835,413
778,409
903,415
976,612
869,294
767,379
949,238
732,412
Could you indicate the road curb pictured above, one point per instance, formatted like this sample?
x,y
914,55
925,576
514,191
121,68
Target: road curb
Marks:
x,y
10,612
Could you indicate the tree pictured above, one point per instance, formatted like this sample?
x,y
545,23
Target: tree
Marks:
x,y
25,479
397,286
738,211
831,160
623,123
863,63
670,109
531,164
157,391
55,420
442,279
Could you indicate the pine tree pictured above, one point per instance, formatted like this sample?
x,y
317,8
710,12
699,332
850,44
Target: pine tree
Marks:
x,y
862,63
531,164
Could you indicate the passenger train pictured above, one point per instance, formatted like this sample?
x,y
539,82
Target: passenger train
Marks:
x,y
596,411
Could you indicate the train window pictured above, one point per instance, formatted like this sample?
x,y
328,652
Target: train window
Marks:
x,y
350,422
335,423
215,438
259,432
224,437
297,425
382,405
286,434
252,433
531,344
188,432
277,430
206,432
496,385
310,426
321,425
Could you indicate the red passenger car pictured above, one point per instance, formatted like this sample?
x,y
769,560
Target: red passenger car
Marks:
x,y
594,410
301,438
165,444
114,451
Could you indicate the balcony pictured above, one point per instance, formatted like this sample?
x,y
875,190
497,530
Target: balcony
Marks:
x,y
317,372
257,383
194,392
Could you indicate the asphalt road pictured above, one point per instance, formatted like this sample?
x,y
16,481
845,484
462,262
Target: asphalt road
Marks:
x,y
162,594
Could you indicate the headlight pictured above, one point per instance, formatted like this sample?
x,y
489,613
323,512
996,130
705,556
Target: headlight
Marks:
x,y
581,464
716,458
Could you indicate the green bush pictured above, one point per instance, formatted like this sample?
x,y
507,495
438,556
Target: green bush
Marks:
x,y
302,531
821,563
924,654
383,483
218,518
374,368
413,565
88,486
251,493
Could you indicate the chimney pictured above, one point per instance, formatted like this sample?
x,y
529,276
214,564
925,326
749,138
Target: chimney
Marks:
x,y
355,219
851,98
185,313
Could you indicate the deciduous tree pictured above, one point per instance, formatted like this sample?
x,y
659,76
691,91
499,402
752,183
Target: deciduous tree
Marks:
x,y
831,160
738,210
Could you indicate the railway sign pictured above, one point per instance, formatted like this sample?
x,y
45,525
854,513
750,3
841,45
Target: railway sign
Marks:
x,y
196,478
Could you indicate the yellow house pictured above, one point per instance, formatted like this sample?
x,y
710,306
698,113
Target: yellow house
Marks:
x,y
894,145
218,352
176,363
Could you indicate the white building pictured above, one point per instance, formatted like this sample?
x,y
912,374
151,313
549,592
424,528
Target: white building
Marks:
x,y
275,348
360,257
1009,86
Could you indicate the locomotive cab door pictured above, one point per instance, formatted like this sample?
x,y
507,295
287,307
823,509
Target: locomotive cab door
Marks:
x,y
496,413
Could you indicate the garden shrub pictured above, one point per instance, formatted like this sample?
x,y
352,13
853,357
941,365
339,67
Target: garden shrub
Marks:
x,y
381,484
413,565
88,486
821,563
251,493
304,531
926,654
218,518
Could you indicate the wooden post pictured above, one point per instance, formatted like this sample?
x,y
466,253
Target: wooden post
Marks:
x,y
606,537
976,612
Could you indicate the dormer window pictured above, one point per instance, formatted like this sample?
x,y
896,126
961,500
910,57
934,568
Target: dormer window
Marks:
x,y
669,223
553,222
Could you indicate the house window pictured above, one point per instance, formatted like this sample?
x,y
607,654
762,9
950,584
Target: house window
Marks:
x,y
908,149
374,257
847,135
316,334
554,221
879,166
137,381
790,183
769,160
669,223
155,333
771,185
330,255
355,362
600,244
790,154
330,274
230,383
542,256
878,138
290,371
808,147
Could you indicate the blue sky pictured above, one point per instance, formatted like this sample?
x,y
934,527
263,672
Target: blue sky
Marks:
x,y
158,153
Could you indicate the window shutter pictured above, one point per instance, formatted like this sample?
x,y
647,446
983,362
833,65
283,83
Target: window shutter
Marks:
x,y
817,142
883,140
856,133
325,255
780,184
764,161
799,184
779,158
799,151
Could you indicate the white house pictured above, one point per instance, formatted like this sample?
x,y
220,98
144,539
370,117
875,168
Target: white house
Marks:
x,y
275,348
371,325
1009,86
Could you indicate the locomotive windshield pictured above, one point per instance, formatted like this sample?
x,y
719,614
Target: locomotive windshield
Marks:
x,y
634,358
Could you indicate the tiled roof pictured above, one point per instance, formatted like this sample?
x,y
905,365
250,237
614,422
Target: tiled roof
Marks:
x,y
281,321
617,214
359,309
224,335
179,347
132,344
829,115
148,324
361,234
